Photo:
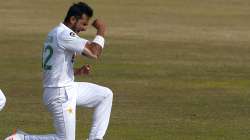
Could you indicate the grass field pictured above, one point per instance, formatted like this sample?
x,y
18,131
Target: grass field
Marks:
x,y
179,69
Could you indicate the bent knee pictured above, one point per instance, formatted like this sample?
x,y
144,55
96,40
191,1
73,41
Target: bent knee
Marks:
x,y
109,93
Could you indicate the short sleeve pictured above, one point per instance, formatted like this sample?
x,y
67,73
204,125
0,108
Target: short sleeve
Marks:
x,y
72,42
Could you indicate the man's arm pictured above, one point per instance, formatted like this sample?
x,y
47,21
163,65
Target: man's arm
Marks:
x,y
94,49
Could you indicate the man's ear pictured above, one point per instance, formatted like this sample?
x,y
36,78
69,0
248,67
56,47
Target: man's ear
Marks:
x,y
72,20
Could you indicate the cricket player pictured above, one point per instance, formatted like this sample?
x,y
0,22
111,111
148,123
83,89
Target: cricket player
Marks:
x,y
2,100
61,94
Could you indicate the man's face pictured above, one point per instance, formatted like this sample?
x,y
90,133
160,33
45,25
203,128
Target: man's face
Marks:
x,y
80,24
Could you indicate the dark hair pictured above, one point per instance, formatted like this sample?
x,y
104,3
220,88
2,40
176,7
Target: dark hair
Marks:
x,y
78,9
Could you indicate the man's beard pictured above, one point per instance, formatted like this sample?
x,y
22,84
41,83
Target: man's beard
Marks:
x,y
75,29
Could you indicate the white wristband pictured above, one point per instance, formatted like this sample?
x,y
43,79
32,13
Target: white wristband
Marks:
x,y
99,40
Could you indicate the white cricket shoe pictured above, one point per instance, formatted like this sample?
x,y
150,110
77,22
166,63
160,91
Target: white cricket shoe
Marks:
x,y
19,135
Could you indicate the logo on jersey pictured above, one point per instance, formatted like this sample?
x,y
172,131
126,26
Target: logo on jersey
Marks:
x,y
70,110
73,58
72,34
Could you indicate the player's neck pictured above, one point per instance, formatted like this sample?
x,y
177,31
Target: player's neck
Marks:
x,y
68,25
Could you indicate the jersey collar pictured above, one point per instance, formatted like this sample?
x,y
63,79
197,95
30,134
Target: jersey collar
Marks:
x,y
65,27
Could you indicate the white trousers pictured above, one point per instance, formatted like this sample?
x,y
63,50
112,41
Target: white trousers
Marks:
x,y
2,100
62,102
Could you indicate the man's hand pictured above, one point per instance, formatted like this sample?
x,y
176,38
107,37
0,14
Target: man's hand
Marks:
x,y
100,26
84,70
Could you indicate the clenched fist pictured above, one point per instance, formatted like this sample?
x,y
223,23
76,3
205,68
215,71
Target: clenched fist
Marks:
x,y
84,70
100,26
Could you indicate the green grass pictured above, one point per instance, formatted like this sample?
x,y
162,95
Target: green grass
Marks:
x,y
179,69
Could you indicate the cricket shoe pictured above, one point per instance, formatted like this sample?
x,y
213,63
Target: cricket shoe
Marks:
x,y
18,135
95,139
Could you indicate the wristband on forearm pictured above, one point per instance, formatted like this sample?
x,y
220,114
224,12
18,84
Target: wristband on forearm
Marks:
x,y
99,40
